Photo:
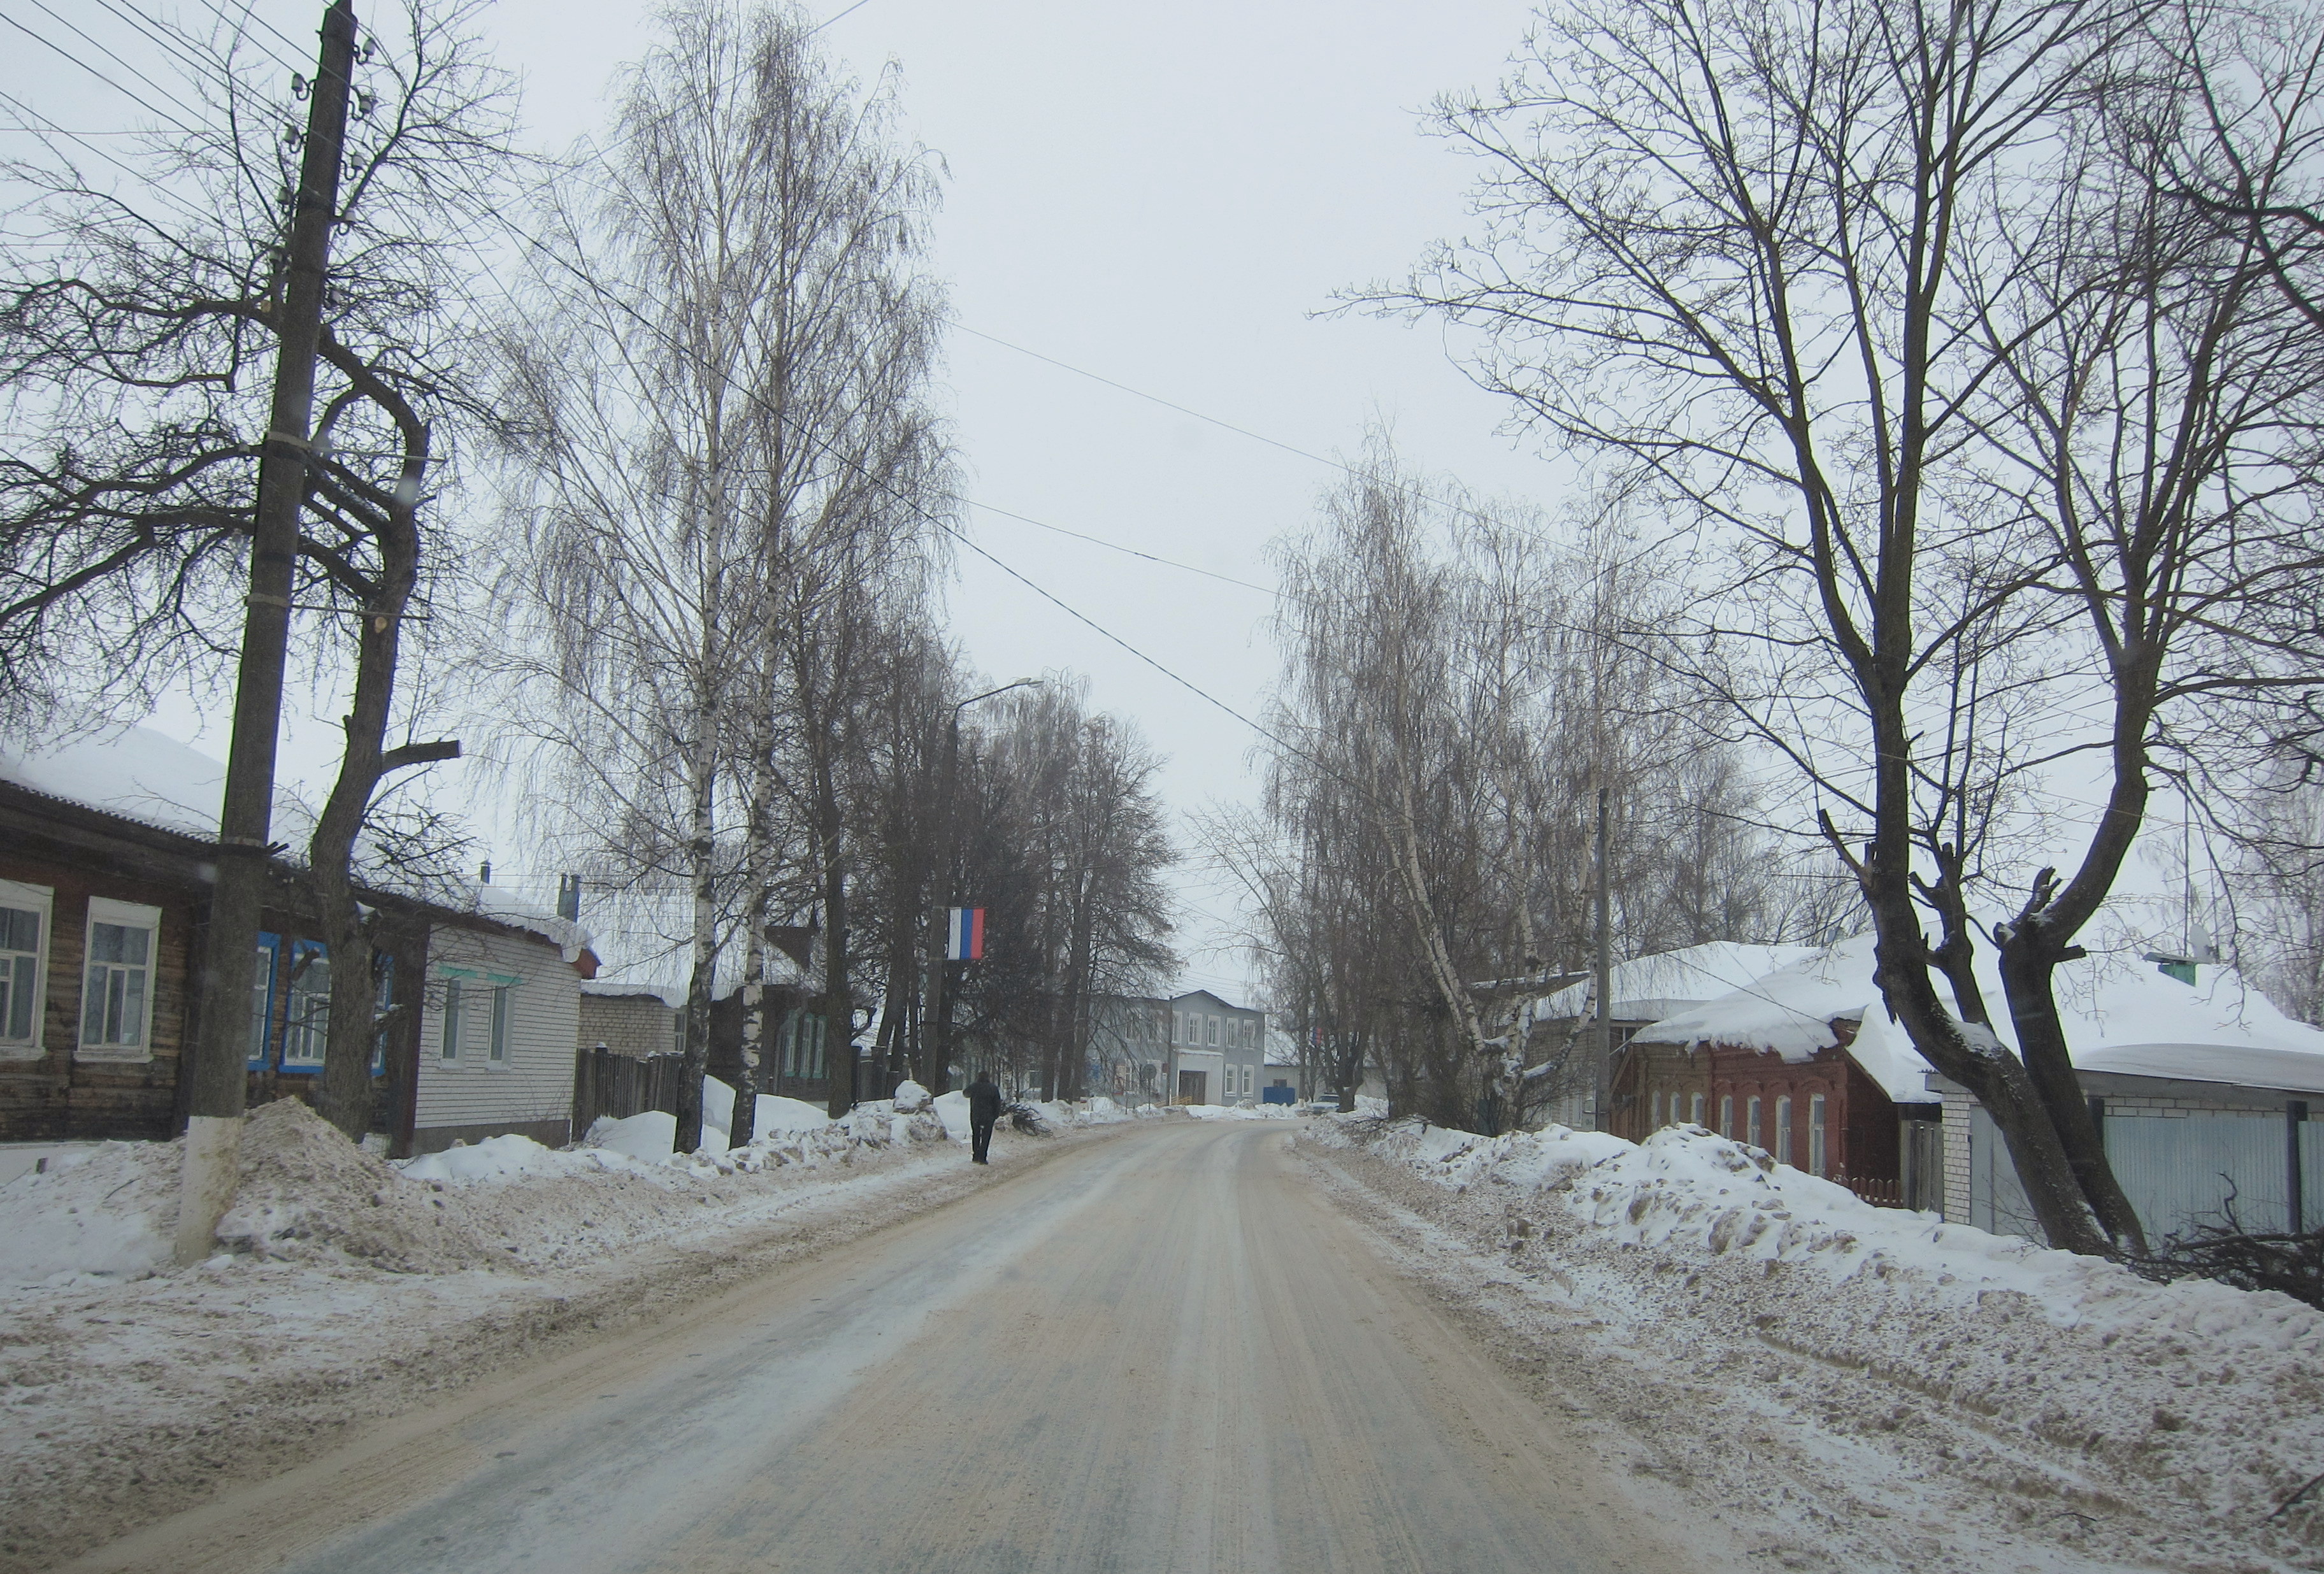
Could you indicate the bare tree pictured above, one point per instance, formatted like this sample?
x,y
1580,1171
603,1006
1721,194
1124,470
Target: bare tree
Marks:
x,y
131,358
1459,682
1881,295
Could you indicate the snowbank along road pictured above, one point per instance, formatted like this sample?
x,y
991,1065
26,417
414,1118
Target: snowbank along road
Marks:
x,y
1167,1352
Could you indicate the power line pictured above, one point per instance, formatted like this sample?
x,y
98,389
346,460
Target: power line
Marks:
x,y
92,70
1170,404
155,27
250,14
26,110
1116,546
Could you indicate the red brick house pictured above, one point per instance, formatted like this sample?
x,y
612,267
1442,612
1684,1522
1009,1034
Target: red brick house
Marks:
x,y
1803,1064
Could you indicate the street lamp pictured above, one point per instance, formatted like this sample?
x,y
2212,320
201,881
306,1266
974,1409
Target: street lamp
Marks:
x,y
936,1047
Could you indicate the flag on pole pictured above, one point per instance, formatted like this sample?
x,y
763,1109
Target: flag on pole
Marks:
x,y
964,934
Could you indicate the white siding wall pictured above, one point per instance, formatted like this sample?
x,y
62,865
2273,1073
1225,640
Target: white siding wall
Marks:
x,y
545,1014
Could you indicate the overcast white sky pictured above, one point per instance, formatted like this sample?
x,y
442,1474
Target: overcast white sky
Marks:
x,y
1167,196
1168,199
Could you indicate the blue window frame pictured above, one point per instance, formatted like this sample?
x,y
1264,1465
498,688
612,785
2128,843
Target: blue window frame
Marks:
x,y
382,1001
262,981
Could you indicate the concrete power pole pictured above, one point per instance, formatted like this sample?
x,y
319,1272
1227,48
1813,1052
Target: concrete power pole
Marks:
x,y
215,1068
1602,1095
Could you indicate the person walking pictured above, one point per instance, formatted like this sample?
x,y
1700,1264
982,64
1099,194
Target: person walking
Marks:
x,y
984,1109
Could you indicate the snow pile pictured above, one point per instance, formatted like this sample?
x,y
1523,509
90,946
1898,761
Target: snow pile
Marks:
x,y
911,1098
649,1138
1240,1111
305,1189
789,1115
2196,1403
1053,1115
103,1212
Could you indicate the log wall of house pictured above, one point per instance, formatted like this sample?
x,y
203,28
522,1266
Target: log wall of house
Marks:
x,y
58,1090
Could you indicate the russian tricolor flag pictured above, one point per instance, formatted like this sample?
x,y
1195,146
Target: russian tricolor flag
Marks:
x,y
964,935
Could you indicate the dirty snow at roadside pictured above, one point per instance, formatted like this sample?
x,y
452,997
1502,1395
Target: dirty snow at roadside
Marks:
x,y
348,1286
1867,1388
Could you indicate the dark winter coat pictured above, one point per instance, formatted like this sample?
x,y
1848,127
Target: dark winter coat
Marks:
x,y
983,1101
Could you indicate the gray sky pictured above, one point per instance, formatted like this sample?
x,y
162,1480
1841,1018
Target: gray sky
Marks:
x,y
1164,196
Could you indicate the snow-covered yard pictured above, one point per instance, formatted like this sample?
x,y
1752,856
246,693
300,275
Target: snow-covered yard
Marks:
x,y
1832,1384
355,1288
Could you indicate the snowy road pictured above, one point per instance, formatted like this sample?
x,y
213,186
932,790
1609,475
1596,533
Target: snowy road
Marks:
x,y
1163,1351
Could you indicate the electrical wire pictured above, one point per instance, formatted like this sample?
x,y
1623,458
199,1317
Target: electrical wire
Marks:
x,y
250,14
93,71
170,38
21,107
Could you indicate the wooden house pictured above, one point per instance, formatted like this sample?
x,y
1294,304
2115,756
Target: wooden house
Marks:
x,y
107,855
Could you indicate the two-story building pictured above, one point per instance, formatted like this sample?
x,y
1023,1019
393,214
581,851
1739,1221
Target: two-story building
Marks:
x,y
1193,1048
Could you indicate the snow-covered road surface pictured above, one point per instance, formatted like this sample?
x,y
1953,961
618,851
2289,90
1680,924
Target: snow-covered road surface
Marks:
x,y
1164,1351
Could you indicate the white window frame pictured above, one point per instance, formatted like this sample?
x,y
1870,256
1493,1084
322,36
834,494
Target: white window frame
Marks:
x,y
456,1041
41,902
1752,1130
1694,1110
1819,1141
1783,1129
125,916
500,1025
1211,1033
300,1029
448,1021
1726,1116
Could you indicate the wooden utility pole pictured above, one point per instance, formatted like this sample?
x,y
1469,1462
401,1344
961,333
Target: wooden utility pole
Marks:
x,y
213,1070
1602,1094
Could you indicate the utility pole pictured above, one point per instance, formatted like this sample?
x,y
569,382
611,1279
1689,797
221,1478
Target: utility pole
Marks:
x,y
935,1012
213,1070
1602,1095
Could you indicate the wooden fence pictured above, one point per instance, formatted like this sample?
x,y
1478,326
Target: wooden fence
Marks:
x,y
1880,1192
609,1084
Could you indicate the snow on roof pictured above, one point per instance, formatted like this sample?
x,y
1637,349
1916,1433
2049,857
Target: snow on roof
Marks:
x,y
142,775
1649,987
2120,1014
670,995
136,773
503,906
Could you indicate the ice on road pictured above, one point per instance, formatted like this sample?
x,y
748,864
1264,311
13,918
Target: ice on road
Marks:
x,y
1164,1351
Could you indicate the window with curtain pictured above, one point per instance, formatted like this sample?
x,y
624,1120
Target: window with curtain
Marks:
x,y
23,926
1751,1121
1727,1115
1783,1129
307,1015
1818,1149
116,988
